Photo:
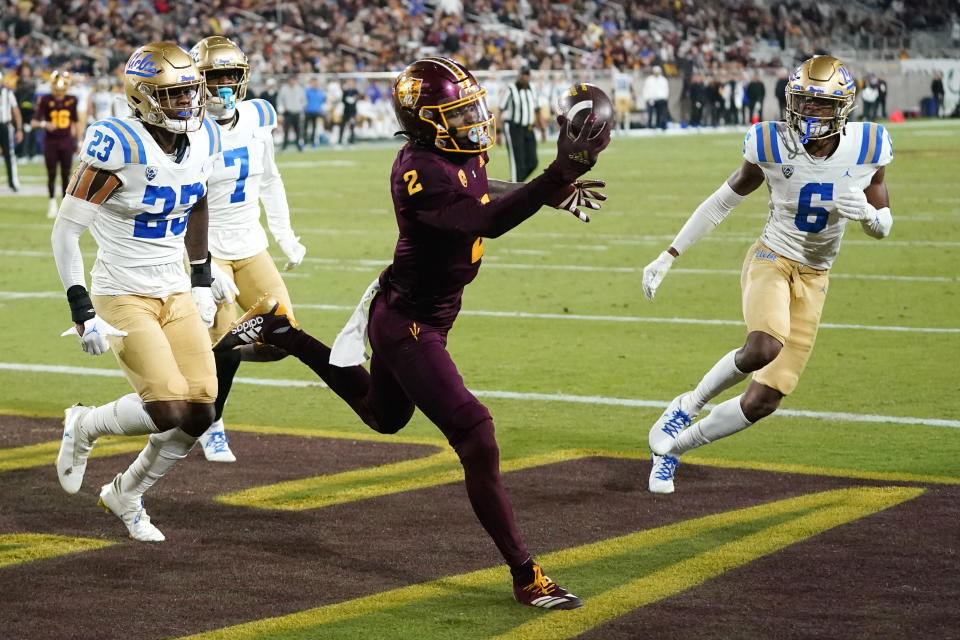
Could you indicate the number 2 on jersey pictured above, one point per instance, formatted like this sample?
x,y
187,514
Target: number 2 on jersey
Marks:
x,y
806,210
410,177
232,157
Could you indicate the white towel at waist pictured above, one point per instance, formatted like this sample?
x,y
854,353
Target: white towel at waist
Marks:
x,y
350,347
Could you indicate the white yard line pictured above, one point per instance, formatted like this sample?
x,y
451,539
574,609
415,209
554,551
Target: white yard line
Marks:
x,y
514,395
612,238
16,295
493,262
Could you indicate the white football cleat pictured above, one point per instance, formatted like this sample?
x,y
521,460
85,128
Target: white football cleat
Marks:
x,y
52,209
675,419
74,449
130,511
215,444
661,475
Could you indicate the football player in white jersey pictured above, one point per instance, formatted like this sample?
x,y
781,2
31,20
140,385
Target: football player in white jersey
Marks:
x,y
141,191
245,175
822,174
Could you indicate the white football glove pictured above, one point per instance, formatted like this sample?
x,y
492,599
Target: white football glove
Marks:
x,y
203,298
224,289
583,195
654,273
853,205
96,330
294,251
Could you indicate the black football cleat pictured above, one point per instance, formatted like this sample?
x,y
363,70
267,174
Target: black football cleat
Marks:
x,y
544,592
267,316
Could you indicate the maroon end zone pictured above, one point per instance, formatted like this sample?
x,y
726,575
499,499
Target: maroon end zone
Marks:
x,y
890,575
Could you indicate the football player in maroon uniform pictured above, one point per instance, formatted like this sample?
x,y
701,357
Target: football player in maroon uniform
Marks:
x,y
57,114
445,206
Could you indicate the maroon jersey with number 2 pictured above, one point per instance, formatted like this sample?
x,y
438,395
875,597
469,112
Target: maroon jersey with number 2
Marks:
x,y
436,256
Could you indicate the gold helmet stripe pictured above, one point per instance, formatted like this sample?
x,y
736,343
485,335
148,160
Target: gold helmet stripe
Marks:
x,y
460,75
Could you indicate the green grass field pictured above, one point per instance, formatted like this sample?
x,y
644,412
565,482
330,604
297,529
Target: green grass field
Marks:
x,y
556,336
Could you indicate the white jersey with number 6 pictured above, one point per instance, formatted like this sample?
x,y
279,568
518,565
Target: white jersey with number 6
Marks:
x,y
803,224
244,175
139,229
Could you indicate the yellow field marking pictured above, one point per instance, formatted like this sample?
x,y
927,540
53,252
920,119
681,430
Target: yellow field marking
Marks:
x,y
21,548
813,514
26,457
884,476
852,505
366,436
45,453
360,484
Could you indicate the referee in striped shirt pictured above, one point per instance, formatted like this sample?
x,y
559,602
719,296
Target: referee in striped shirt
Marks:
x,y
10,115
520,113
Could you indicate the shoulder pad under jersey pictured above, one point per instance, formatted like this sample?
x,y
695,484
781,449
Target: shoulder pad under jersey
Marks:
x,y
211,135
762,143
876,146
266,114
112,143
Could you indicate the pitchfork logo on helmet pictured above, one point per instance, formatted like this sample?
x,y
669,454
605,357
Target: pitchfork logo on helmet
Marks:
x,y
820,97
164,87
408,91
439,104
226,71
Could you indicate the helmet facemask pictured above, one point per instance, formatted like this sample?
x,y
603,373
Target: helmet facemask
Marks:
x,y
464,125
166,109
820,96
225,88
815,116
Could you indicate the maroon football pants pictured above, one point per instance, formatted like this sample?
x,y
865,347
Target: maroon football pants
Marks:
x,y
411,367
58,152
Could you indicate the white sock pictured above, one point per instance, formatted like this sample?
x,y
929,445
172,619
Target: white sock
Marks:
x,y
162,452
721,377
726,419
123,417
216,426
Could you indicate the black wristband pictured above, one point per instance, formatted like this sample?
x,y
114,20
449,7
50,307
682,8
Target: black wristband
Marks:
x,y
81,309
201,273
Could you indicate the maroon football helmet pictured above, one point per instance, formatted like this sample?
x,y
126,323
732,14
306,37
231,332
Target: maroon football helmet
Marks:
x,y
439,104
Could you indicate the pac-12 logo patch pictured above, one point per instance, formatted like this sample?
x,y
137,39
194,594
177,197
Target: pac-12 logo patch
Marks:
x,y
150,172
463,177
787,171
408,91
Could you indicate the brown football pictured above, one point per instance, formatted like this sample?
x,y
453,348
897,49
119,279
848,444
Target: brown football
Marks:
x,y
582,99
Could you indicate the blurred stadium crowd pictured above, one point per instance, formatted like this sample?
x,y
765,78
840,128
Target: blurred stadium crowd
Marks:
x,y
714,44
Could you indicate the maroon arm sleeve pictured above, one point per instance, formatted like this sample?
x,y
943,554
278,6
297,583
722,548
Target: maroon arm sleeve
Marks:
x,y
457,211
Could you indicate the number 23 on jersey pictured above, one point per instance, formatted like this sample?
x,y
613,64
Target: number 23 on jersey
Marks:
x,y
156,225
